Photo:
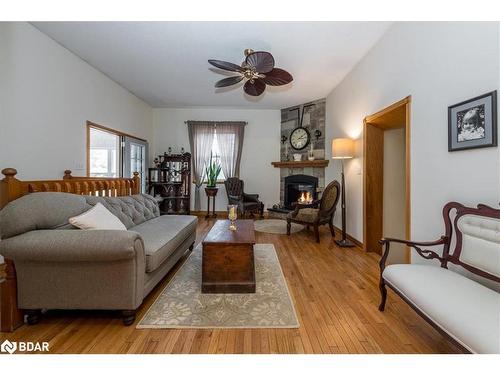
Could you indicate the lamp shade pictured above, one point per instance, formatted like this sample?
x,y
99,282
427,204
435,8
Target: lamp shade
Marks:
x,y
342,148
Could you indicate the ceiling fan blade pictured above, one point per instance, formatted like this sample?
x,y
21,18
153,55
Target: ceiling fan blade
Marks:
x,y
254,89
277,77
228,81
224,65
262,61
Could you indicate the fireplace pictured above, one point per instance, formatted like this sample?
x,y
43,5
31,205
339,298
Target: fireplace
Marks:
x,y
299,188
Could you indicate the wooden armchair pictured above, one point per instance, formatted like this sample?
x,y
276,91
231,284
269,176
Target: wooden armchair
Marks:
x,y
246,202
317,213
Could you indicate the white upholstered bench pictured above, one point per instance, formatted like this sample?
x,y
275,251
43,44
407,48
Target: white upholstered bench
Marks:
x,y
465,311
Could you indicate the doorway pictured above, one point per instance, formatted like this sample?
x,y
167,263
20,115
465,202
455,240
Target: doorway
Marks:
x,y
386,190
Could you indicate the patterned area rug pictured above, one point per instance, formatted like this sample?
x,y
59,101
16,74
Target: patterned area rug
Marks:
x,y
275,226
182,305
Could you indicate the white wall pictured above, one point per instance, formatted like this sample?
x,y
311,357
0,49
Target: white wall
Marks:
x,y
261,146
46,96
394,194
438,64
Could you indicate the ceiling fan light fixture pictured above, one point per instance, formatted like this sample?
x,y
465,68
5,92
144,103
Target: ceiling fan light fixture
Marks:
x,y
258,69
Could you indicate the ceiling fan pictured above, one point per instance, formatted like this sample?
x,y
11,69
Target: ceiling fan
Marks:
x,y
258,69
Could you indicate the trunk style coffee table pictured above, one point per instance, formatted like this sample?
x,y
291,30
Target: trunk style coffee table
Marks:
x,y
228,262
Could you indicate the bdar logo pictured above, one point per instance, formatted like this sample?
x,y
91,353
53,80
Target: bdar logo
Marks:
x,y
21,347
8,347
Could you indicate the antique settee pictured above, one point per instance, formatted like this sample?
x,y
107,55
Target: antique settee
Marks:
x,y
459,295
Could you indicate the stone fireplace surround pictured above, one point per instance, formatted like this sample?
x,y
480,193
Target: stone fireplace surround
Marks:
x,y
313,119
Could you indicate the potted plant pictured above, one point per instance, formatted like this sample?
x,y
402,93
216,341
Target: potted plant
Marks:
x,y
212,171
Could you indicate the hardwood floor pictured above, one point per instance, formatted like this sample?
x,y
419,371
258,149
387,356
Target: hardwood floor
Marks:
x,y
335,292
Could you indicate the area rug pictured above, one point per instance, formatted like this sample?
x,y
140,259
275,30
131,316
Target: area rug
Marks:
x,y
182,305
275,226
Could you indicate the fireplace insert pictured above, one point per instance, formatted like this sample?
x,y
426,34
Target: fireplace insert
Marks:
x,y
299,188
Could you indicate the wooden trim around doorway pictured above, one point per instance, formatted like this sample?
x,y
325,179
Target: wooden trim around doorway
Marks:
x,y
390,117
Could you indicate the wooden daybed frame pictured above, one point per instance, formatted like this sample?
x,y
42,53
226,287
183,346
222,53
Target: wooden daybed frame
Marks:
x,y
11,188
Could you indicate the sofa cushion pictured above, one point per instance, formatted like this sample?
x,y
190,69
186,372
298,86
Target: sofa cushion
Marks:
x,y
163,235
98,217
131,210
40,211
468,311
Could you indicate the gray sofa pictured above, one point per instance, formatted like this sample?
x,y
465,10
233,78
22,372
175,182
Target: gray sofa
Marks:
x,y
61,267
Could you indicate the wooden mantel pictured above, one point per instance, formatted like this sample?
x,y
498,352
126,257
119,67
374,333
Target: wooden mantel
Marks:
x,y
301,164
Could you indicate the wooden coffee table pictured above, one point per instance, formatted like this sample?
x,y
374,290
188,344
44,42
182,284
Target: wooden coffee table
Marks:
x,y
228,262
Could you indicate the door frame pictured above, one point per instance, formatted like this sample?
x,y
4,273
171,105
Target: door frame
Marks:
x,y
127,141
385,119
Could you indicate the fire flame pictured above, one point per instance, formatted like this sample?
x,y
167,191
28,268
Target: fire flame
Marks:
x,y
305,197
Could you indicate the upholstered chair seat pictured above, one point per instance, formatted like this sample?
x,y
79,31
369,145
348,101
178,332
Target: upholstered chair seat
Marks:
x,y
307,215
452,302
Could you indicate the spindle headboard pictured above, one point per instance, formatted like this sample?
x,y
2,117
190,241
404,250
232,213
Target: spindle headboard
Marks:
x,y
11,188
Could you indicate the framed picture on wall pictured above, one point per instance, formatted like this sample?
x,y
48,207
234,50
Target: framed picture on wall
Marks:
x,y
473,123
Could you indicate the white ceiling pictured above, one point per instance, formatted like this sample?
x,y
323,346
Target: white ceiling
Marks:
x,y
165,63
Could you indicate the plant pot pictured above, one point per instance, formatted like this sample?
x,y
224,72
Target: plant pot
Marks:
x,y
211,190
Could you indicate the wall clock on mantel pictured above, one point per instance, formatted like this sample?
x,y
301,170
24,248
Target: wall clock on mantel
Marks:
x,y
300,138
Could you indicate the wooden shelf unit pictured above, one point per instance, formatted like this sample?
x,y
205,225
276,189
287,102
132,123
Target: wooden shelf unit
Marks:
x,y
170,183
301,164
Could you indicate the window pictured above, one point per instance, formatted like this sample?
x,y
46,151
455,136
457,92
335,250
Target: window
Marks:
x,y
222,139
104,154
216,156
115,154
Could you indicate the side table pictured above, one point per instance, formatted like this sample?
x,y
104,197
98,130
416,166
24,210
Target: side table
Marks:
x,y
211,192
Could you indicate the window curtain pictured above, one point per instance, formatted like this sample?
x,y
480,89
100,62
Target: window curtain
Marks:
x,y
201,137
230,139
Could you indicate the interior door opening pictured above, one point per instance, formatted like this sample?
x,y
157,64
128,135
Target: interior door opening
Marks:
x,y
386,203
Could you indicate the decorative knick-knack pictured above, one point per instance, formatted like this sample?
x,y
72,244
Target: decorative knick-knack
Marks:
x,y
310,154
232,214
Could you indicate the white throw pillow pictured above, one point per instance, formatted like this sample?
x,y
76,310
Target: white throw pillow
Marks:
x,y
98,217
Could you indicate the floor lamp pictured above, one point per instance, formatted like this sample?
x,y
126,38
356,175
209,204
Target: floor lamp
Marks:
x,y
343,148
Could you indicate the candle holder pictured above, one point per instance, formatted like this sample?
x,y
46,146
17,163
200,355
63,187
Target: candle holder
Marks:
x,y
232,214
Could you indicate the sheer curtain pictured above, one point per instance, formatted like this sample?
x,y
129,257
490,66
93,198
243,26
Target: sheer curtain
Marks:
x,y
230,139
201,137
